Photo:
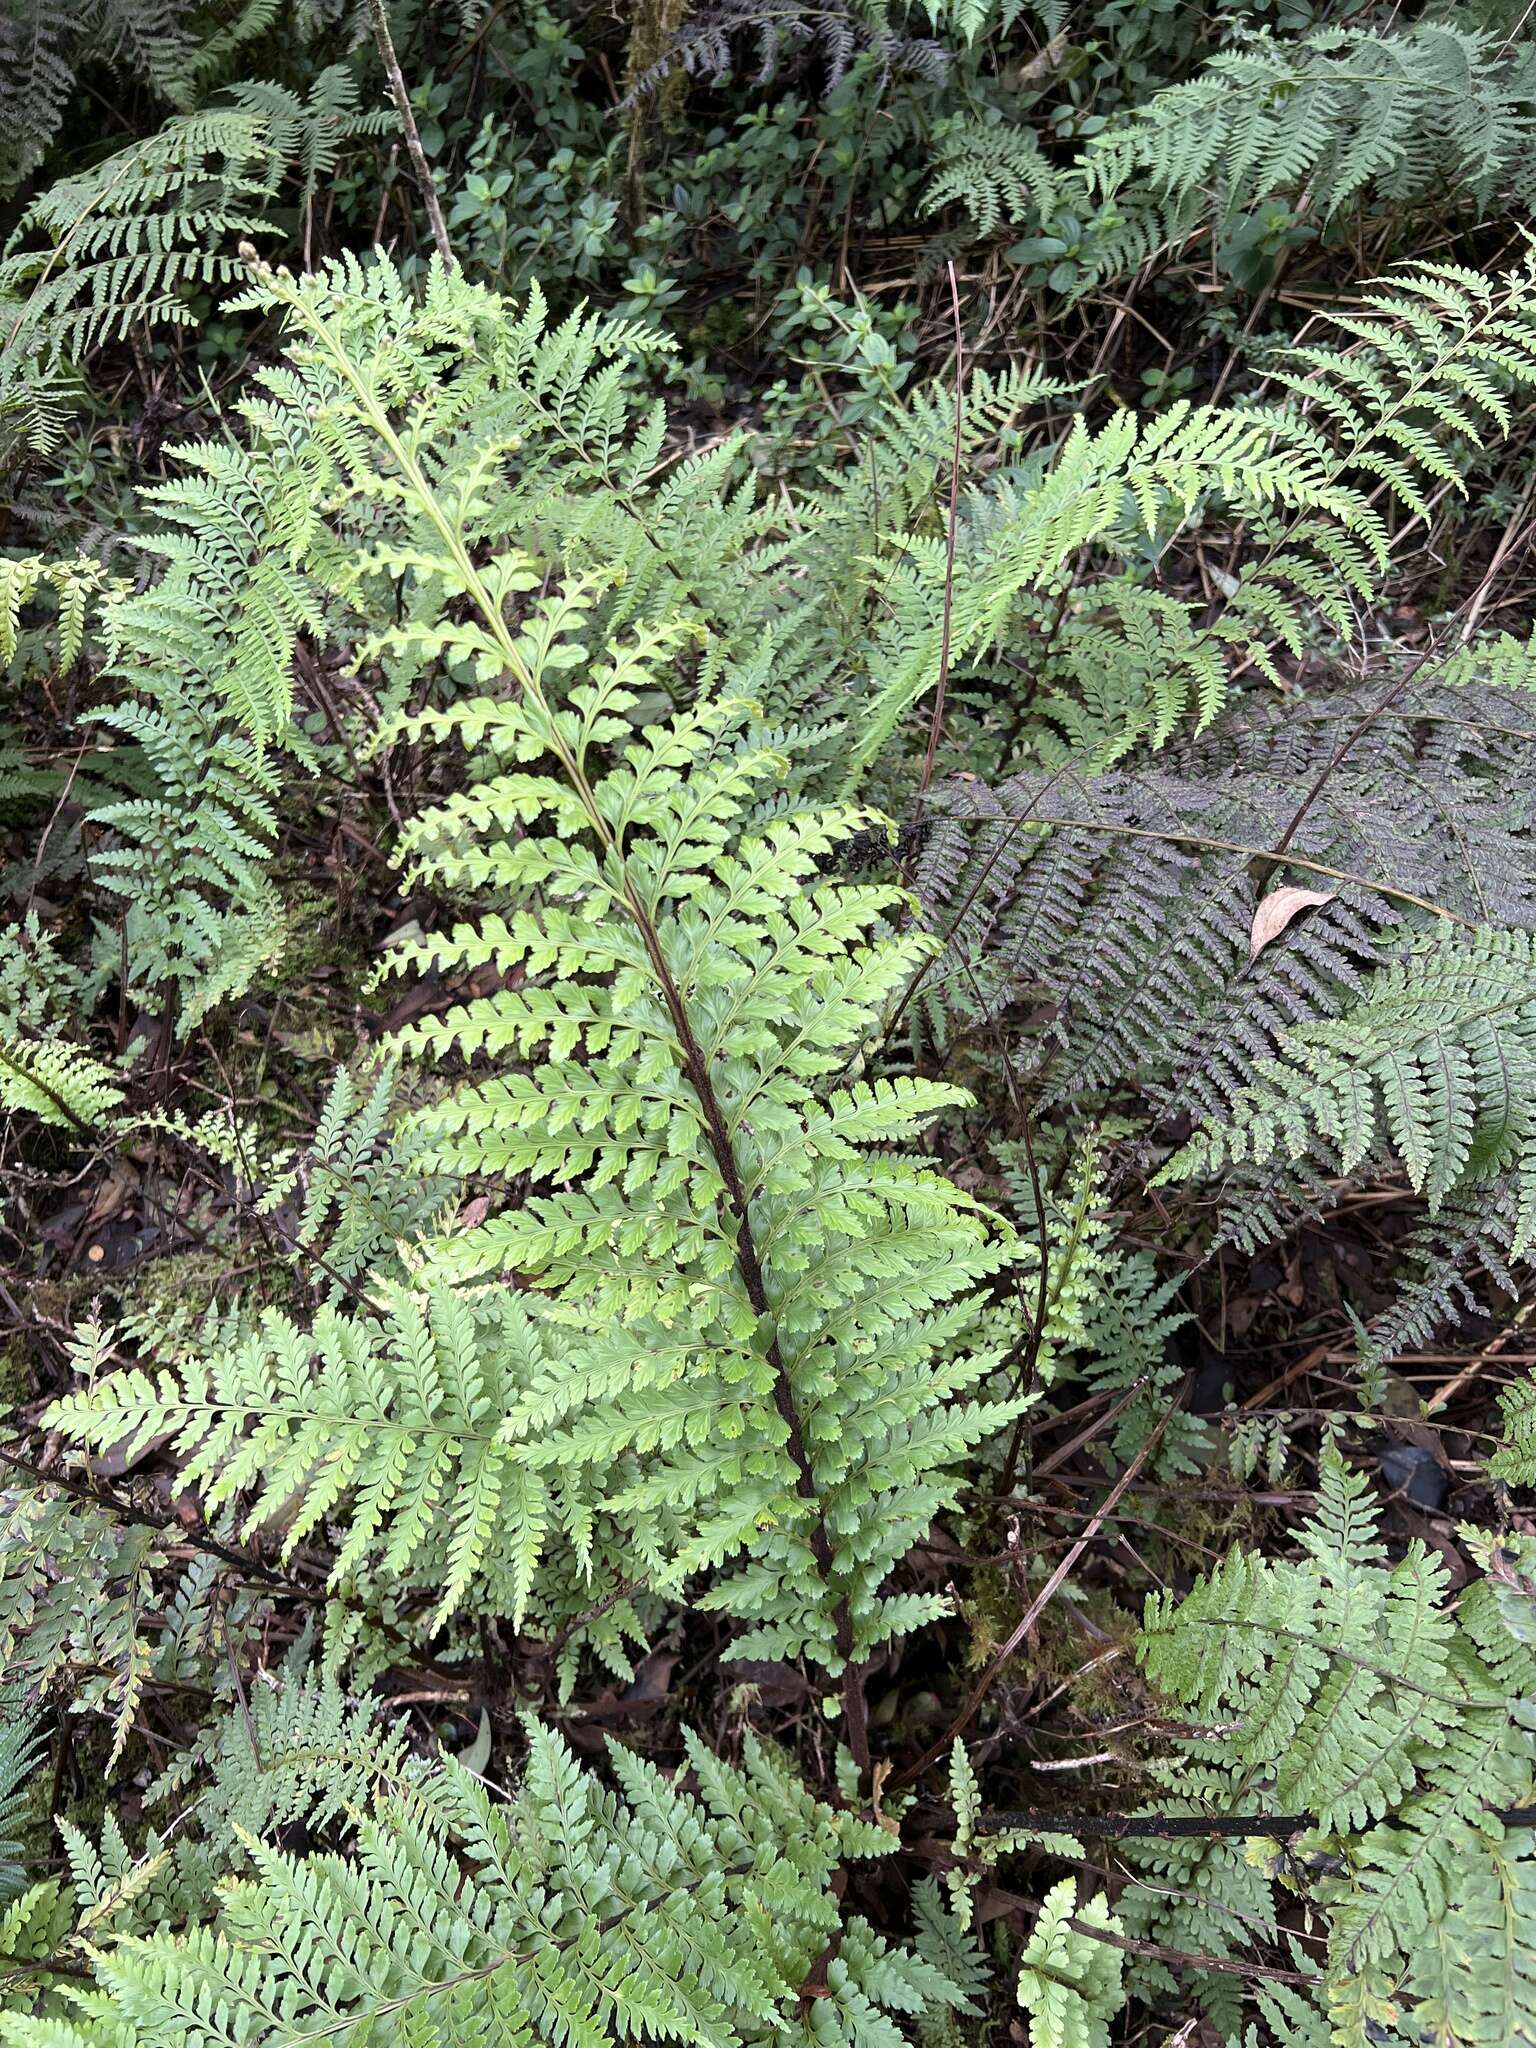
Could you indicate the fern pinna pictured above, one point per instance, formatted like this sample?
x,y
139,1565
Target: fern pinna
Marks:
x,y
752,1305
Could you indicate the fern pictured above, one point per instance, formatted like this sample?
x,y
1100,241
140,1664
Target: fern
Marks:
x,y
42,47
1110,1318
1127,899
363,1193
1434,111
1347,1690
406,1416
207,652
1432,1064
57,1082
300,1756
1434,364
641,1304
1118,664
21,1747
75,1592
748,1343
130,242
115,246
1213,1897
1515,1459
1069,1984
783,1359
591,1917
309,134
706,42
995,171
1130,483
35,78
74,585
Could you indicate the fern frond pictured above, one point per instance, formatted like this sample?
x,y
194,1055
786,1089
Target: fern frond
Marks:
x,y
1348,1689
993,170
1433,111
587,1918
1069,1984
1126,901
404,1418
56,1081
1130,483
21,1746
1435,1064
116,245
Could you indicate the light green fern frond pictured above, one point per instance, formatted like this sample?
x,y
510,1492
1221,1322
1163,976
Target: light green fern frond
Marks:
x,y
1069,1983
1515,1459
56,1081
403,1418
74,585
1431,373
310,132
1435,111
1129,485
994,170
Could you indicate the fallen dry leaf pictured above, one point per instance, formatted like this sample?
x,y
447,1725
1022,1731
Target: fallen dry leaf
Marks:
x,y
1276,910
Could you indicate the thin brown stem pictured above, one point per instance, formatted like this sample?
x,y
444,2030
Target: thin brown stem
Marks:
x,y
936,723
1042,1302
402,99
1037,1606
696,1066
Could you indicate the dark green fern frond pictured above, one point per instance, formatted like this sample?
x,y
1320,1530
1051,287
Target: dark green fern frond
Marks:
x,y
571,1913
22,1744
1434,1064
77,1590
1127,900
35,80
300,1755
119,244
364,1193
1350,1692
711,40
1433,113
